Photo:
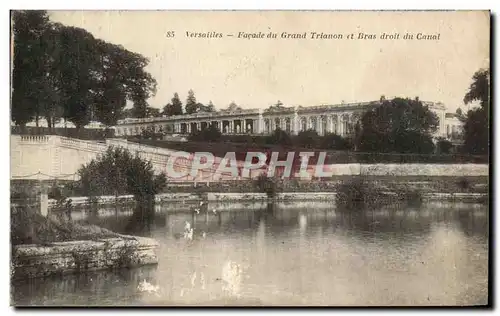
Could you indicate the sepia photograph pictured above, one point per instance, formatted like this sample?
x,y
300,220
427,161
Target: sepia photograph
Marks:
x,y
250,158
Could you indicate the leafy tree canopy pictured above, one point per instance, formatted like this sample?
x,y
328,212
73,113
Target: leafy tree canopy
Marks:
x,y
398,125
191,104
479,89
174,107
65,72
476,126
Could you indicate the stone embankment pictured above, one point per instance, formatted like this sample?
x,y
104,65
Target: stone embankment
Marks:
x,y
30,261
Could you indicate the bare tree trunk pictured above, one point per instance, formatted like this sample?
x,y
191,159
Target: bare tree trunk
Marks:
x,y
49,122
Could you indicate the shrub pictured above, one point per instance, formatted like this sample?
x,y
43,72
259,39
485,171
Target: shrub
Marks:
x,y
334,141
360,194
30,227
444,146
118,172
307,139
265,184
411,197
279,137
463,184
209,134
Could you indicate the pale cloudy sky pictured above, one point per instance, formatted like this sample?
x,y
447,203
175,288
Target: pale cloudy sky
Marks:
x,y
256,73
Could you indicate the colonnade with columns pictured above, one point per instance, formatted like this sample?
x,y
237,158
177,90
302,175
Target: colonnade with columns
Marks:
x,y
323,123
340,119
340,124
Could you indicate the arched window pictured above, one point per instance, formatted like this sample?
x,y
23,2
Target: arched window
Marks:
x,y
303,124
314,124
335,119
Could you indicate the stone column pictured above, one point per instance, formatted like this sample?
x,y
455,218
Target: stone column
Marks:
x,y
260,124
343,125
44,202
295,123
442,130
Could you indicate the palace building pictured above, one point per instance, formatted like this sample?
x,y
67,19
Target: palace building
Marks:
x,y
340,119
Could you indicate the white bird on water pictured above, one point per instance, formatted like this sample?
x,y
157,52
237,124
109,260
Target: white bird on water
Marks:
x,y
145,286
188,231
232,274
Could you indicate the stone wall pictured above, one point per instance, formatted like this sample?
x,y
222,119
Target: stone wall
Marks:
x,y
49,157
456,170
29,261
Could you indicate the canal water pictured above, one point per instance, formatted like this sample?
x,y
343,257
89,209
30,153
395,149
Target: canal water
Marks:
x,y
295,254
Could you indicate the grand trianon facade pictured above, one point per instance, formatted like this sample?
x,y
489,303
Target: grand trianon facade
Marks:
x,y
340,119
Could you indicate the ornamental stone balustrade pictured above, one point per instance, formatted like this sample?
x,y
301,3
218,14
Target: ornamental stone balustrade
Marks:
x,y
55,157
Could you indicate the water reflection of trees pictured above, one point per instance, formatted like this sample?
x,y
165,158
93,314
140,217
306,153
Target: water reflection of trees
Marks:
x,y
383,222
474,222
93,288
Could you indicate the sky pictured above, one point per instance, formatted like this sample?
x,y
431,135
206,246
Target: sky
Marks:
x,y
256,73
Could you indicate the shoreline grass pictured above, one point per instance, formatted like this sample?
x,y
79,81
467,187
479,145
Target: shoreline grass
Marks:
x,y
30,227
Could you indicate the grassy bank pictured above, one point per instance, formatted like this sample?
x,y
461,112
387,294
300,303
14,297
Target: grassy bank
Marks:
x,y
424,184
220,148
359,194
30,227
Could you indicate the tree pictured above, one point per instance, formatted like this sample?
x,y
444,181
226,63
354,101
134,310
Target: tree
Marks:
x,y
173,108
152,112
233,107
210,107
398,125
476,132
476,127
479,89
77,83
333,141
444,146
279,137
126,113
64,72
210,134
191,105
206,108
28,64
307,139
118,172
